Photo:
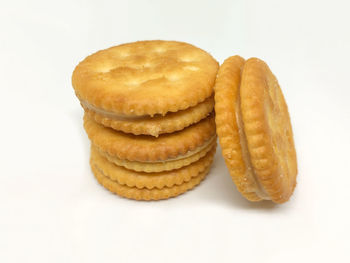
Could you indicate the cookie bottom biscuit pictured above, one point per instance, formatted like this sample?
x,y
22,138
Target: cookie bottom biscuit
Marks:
x,y
150,180
147,125
146,194
268,131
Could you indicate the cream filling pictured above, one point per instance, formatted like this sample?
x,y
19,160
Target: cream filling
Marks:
x,y
112,115
249,172
188,154
191,153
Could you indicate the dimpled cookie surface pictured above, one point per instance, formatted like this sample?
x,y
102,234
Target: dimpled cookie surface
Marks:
x,y
146,77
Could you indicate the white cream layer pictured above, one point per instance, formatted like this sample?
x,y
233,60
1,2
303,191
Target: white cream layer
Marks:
x,y
187,154
112,115
191,153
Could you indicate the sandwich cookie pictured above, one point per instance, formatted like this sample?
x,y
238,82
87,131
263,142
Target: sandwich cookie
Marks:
x,y
151,154
158,124
147,194
141,180
254,130
147,87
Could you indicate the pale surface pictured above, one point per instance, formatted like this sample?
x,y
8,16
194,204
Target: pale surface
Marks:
x,y
53,210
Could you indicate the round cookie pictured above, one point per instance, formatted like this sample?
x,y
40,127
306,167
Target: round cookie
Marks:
x,y
145,79
229,130
149,180
147,194
156,125
268,131
193,140
250,130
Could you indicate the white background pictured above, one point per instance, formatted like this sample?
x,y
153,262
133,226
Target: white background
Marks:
x,y
53,210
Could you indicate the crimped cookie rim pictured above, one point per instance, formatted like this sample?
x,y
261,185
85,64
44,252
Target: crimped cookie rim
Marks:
x,y
262,154
148,148
160,166
146,180
145,194
226,133
172,122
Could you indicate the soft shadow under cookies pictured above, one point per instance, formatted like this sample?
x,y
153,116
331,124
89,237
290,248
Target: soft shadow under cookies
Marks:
x,y
219,188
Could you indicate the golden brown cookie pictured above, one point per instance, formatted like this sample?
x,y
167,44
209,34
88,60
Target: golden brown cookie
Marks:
x,y
148,149
143,79
156,125
254,130
168,165
150,180
144,193
227,126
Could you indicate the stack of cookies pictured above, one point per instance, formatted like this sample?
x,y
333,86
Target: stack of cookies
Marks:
x,y
149,115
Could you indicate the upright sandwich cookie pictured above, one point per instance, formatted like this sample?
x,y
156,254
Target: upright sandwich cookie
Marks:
x,y
254,130
147,87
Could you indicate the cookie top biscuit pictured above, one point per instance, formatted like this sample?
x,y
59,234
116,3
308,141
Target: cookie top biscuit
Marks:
x,y
229,127
145,78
